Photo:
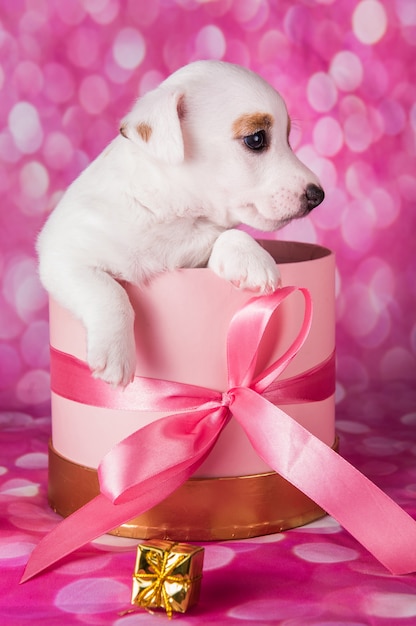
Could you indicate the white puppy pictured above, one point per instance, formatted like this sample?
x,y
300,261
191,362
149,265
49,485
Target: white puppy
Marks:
x,y
203,153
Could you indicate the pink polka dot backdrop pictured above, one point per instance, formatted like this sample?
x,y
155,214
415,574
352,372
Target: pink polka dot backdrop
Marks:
x,y
69,70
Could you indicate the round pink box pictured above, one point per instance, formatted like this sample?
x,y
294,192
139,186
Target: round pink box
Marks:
x,y
181,326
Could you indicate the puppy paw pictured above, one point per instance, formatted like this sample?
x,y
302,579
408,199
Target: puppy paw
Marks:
x,y
242,261
112,358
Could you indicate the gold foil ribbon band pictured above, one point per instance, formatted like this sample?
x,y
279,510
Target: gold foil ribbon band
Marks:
x,y
202,509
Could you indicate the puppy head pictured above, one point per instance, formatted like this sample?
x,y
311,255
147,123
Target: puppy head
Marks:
x,y
226,132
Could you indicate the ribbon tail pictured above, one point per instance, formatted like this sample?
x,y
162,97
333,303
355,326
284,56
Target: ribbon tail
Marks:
x,y
94,519
117,504
365,511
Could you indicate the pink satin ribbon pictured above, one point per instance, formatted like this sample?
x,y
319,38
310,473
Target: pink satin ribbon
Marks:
x,y
170,449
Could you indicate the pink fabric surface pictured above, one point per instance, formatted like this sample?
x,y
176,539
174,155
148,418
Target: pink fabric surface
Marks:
x,y
317,575
68,72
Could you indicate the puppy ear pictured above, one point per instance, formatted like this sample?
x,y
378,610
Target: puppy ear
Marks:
x,y
154,123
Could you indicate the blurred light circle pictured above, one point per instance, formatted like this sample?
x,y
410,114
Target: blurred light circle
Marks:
x,y
210,42
34,179
30,297
346,70
83,596
369,21
328,136
25,127
34,387
129,48
102,11
322,92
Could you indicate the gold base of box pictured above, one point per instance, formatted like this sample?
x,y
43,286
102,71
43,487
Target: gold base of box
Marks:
x,y
202,509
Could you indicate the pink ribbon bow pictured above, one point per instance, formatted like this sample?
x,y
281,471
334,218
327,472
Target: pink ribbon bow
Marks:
x,y
184,439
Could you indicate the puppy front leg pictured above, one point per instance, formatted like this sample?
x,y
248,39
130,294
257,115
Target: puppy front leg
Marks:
x,y
103,306
111,348
237,257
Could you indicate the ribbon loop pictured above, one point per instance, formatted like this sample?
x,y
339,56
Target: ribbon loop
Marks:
x,y
246,332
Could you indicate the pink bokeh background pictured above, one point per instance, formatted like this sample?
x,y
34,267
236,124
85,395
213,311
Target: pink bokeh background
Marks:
x,y
70,70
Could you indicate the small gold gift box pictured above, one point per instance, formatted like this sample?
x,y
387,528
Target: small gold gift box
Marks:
x,y
167,576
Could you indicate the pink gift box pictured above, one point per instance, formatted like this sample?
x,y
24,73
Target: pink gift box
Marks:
x,y
182,319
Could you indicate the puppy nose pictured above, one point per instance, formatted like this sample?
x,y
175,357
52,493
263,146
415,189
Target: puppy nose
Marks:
x,y
314,196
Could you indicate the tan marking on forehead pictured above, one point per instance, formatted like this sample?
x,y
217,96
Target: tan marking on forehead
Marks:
x,y
249,123
289,126
144,130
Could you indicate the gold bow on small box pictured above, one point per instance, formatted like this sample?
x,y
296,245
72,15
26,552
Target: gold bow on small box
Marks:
x,y
167,575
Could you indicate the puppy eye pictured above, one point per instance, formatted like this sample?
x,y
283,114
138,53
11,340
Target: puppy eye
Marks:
x,y
256,141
